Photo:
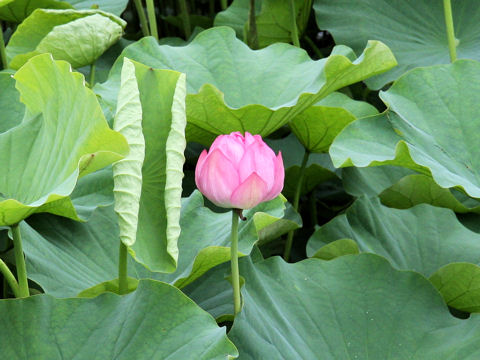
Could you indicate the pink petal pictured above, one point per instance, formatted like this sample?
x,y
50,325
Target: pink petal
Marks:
x,y
250,193
218,179
199,166
231,146
259,158
279,178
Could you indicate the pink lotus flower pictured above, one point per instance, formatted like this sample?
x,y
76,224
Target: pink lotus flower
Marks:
x,y
239,172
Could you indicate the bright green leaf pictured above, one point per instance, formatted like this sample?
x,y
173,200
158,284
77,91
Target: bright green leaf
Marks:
x,y
155,322
233,88
77,36
352,307
413,29
317,126
428,128
17,10
459,284
337,248
423,238
127,173
108,286
44,156
419,189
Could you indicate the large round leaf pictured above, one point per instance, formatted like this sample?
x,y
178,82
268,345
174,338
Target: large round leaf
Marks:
x,y
423,238
11,108
414,30
133,326
65,257
77,36
428,128
353,307
112,6
273,19
420,189
43,157
233,88
317,126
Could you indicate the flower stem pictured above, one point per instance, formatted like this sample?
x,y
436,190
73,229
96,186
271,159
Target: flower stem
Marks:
x,y
152,19
223,4
185,19
293,24
296,199
3,54
92,75
20,262
122,269
452,46
234,264
252,36
10,278
314,47
142,17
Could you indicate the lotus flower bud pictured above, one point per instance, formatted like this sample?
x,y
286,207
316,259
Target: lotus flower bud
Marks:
x,y
239,172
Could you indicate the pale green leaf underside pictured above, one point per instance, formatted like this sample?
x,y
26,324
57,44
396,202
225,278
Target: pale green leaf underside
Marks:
x,y
352,307
413,29
422,238
162,97
77,36
127,173
232,88
43,157
77,325
428,127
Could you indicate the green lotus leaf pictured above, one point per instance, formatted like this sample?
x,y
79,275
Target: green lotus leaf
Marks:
x,y
115,7
317,126
423,238
337,248
371,181
109,286
127,173
273,19
426,128
64,266
459,284
93,191
420,189
71,328
77,36
233,88
17,10
5,2
40,171
319,166
236,16
352,307
413,29
162,97
11,108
